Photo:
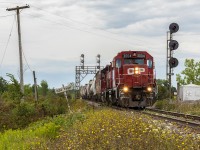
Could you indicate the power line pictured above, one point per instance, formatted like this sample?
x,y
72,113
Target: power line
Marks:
x,y
197,34
8,41
72,20
6,16
26,61
79,22
74,28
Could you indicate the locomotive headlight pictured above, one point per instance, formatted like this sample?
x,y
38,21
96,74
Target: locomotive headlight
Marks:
x,y
125,89
149,89
136,70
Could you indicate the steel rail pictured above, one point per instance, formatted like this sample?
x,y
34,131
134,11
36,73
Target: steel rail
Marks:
x,y
182,122
187,116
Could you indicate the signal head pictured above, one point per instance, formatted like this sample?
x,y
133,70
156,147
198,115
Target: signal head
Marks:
x,y
173,27
173,62
173,44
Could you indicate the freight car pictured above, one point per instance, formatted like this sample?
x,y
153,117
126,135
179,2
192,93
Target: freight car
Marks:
x,y
128,81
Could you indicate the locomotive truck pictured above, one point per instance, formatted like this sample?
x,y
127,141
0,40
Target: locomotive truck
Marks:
x,y
128,81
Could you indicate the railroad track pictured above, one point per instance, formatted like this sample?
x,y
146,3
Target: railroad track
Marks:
x,y
184,119
193,117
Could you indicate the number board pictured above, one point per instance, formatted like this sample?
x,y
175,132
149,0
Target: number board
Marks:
x,y
134,54
127,55
140,55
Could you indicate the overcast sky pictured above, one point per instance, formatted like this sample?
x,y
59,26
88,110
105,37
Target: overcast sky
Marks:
x,y
55,34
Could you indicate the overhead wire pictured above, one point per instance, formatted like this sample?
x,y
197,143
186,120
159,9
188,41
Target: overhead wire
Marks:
x,y
25,56
94,33
79,22
8,41
27,61
74,29
7,16
191,34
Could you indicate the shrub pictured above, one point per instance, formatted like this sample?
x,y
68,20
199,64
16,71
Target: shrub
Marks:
x,y
23,114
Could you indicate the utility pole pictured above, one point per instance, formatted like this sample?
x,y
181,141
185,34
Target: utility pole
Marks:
x,y
35,87
20,44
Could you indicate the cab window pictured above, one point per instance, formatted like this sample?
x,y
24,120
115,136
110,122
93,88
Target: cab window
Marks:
x,y
134,61
149,63
118,63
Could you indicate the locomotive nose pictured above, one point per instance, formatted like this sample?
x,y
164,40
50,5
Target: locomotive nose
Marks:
x,y
135,75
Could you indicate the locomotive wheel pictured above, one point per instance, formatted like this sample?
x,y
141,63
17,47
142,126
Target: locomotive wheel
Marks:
x,y
119,102
102,99
144,98
114,99
126,102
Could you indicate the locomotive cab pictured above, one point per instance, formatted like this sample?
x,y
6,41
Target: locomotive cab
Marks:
x,y
130,80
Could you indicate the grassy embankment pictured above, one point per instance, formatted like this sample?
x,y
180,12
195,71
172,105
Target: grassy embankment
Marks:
x,y
192,108
101,128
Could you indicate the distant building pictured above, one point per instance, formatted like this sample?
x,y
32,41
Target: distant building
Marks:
x,y
189,92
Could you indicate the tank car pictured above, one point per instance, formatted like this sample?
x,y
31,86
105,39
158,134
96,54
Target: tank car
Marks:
x,y
129,80
83,91
89,93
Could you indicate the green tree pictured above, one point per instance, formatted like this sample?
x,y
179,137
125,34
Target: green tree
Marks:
x,y
44,87
3,85
163,91
14,91
191,74
28,90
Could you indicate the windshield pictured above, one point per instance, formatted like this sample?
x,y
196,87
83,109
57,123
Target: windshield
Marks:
x,y
134,61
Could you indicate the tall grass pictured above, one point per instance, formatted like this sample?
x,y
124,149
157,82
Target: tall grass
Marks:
x,y
38,134
110,129
192,108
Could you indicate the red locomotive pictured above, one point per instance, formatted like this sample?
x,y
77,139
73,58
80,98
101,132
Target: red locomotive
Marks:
x,y
128,81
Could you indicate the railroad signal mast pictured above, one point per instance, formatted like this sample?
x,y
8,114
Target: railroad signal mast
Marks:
x,y
171,46
82,71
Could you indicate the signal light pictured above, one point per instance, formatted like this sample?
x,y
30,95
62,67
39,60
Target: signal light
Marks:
x,y
82,61
173,44
98,61
173,27
173,62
